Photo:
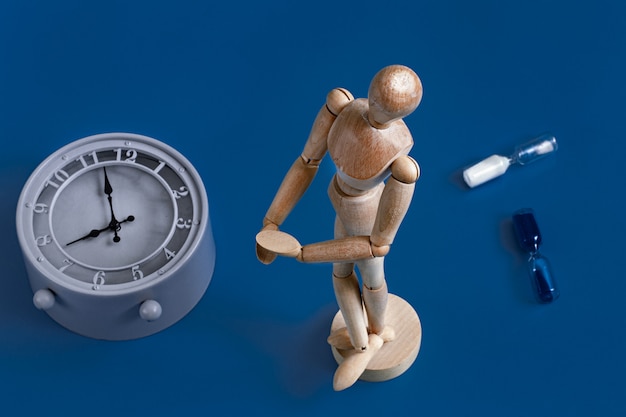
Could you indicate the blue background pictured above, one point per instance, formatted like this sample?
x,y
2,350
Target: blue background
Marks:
x,y
235,87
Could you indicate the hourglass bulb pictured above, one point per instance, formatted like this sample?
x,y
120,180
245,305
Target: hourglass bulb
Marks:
x,y
496,165
529,239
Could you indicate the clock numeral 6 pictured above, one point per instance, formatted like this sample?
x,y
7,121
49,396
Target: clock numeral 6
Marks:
x,y
98,280
137,274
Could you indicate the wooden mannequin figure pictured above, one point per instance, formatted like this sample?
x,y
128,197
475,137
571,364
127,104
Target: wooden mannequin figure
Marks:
x,y
375,336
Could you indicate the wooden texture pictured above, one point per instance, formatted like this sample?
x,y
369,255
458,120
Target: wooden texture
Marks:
x,y
394,203
356,213
278,242
263,255
316,144
349,300
362,152
395,92
375,302
347,249
292,188
394,357
369,143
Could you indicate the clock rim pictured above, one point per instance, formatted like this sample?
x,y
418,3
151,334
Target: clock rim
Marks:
x,y
41,174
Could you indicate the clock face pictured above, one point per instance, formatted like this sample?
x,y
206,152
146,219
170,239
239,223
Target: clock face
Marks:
x,y
111,212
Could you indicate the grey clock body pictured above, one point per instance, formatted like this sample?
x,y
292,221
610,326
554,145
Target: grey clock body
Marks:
x,y
116,236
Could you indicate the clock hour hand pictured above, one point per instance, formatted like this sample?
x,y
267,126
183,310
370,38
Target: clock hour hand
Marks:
x,y
96,232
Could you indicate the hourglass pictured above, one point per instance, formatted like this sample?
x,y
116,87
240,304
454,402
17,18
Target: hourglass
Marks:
x,y
529,239
496,165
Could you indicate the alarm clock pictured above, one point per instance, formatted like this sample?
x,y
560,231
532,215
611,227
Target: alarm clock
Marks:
x,y
116,236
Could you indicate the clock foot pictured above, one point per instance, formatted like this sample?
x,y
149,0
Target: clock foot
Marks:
x,y
387,359
43,299
150,310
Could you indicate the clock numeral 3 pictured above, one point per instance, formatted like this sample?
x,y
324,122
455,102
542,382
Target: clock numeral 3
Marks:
x,y
183,224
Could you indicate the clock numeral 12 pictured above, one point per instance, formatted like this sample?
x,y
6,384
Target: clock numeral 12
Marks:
x,y
130,154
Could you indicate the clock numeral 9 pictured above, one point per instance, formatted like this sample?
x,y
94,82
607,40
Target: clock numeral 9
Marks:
x,y
98,280
40,208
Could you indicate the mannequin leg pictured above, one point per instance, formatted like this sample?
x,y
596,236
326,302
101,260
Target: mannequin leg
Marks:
x,y
348,295
375,293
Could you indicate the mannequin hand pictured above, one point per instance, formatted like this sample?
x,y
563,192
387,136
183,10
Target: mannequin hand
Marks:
x,y
278,243
263,255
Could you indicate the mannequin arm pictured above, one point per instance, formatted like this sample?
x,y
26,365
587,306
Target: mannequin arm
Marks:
x,y
394,204
348,249
304,169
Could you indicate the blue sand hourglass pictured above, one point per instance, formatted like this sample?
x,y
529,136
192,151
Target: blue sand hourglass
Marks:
x,y
529,239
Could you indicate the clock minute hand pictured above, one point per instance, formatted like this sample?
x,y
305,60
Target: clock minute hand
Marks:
x,y
108,190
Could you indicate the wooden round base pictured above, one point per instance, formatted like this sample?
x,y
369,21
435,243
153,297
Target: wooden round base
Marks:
x,y
394,357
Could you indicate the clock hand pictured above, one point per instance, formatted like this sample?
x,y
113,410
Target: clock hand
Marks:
x,y
96,232
108,190
93,233
117,226
113,224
